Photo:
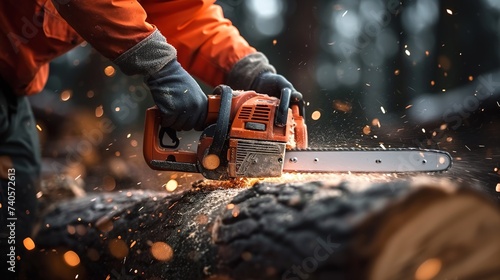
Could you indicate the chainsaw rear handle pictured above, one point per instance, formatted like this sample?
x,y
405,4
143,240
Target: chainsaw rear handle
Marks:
x,y
165,156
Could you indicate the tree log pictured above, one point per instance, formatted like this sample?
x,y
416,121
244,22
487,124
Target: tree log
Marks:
x,y
403,229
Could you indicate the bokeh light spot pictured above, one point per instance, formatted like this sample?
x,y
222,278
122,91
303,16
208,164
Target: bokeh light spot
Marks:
x,y
118,248
171,185
367,130
66,95
316,115
29,244
71,258
161,251
99,111
428,269
109,71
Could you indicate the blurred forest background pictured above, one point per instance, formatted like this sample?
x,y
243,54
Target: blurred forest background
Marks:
x,y
374,73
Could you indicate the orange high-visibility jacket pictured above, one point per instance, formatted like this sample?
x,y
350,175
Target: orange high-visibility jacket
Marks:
x,y
32,33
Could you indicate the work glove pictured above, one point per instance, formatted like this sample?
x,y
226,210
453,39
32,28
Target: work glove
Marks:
x,y
272,84
253,72
179,97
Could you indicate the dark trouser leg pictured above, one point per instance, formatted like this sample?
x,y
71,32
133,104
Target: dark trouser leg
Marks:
x,y
19,174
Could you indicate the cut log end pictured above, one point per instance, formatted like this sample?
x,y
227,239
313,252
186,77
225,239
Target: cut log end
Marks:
x,y
438,235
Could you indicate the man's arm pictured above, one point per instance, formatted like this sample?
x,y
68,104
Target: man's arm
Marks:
x,y
212,49
119,31
208,44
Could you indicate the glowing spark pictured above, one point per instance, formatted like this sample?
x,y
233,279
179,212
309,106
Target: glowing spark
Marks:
x,y
408,107
450,12
423,130
382,109
38,127
128,135
396,72
275,42
345,13
407,52
78,177
382,146
498,187
342,106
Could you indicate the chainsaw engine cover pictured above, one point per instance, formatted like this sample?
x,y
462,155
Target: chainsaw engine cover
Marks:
x,y
254,158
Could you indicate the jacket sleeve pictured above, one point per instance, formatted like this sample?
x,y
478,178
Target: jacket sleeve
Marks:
x,y
208,45
118,30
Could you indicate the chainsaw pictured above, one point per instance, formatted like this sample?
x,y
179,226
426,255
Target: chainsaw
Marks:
x,y
253,135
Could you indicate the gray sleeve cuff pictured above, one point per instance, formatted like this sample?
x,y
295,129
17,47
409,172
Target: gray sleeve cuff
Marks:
x,y
148,56
247,69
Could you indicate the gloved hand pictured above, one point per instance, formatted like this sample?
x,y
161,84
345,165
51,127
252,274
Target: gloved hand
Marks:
x,y
253,72
179,97
272,84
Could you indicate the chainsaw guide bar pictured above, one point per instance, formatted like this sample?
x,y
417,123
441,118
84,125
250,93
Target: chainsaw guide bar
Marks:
x,y
366,160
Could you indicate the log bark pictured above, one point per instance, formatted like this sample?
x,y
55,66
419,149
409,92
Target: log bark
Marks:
x,y
402,229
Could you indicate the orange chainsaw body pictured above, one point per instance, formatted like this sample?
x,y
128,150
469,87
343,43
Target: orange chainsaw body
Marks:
x,y
246,135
